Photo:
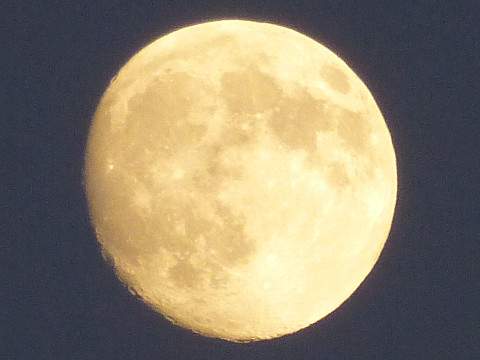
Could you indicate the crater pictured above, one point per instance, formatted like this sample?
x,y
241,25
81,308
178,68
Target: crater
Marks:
x,y
197,51
184,274
179,225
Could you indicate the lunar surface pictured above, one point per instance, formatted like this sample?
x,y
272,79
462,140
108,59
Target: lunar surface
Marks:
x,y
240,178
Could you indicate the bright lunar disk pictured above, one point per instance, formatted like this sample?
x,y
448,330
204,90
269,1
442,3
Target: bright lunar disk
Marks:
x,y
241,178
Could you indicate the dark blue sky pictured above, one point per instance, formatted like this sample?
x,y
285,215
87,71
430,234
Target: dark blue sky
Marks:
x,y
419,59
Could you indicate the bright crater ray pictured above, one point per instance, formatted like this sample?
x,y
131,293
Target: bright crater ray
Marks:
x,y
241,177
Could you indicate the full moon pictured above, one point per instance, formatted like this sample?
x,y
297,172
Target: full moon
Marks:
x,y
241,179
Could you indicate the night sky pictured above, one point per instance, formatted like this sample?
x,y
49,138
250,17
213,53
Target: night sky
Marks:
x,y
61,300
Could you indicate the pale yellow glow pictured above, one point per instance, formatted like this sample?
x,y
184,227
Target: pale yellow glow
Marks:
x,y
241,177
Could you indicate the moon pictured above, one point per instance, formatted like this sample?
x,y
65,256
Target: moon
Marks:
x,y
241,179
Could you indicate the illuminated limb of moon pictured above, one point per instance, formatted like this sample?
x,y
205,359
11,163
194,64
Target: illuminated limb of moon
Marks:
x,y
241,178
